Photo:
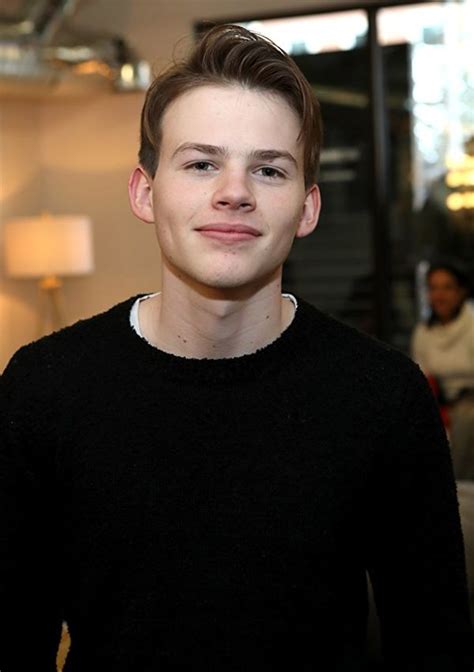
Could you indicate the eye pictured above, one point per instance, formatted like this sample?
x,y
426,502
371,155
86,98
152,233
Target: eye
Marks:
x,y
200,166
269,171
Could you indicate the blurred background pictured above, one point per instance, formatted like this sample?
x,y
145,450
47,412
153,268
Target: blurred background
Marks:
x,y
396,84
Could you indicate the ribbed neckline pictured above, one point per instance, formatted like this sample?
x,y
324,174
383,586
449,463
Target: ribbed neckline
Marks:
x,y
270,358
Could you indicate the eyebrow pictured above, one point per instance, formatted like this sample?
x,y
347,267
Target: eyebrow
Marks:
x,y
257,154
273,154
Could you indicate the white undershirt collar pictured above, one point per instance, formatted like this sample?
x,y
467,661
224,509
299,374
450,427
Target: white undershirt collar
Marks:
x,y
135,320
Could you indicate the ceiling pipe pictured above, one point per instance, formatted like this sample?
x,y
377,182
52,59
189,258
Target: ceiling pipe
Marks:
x,y
48,15
109,56
42,21
27,52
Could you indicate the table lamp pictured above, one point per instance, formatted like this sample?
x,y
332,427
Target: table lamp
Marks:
x,y
48,248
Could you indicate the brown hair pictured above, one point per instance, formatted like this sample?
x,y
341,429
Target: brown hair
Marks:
x,y
226,55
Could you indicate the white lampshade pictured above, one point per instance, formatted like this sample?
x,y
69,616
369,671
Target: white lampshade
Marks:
x,y
36,247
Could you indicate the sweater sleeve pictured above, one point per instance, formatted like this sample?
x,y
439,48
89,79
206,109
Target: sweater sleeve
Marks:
x,y
416,558
30,614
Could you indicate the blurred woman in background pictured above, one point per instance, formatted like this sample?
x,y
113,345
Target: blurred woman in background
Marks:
x,y
444,348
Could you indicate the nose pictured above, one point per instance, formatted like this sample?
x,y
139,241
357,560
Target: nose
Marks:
x,y
233,191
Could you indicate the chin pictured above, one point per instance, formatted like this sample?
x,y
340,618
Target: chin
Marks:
x,y
229,284
228,276
234,282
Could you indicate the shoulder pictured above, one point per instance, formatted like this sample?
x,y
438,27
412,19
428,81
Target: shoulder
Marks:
x,y
54,357
353,358
468,309
378,391
346,343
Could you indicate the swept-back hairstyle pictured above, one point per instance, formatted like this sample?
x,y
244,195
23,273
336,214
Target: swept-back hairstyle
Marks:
x,y
227,55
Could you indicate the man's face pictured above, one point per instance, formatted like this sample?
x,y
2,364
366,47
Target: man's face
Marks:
x,y
228,197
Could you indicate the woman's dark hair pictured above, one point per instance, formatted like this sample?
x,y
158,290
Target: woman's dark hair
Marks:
x,y
455,268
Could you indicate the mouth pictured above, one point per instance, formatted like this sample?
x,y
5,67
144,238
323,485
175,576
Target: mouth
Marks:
x,y
229,232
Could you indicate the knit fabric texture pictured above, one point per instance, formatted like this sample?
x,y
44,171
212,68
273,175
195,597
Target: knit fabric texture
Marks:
x,y
185,514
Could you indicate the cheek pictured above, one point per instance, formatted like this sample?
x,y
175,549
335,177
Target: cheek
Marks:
x,y
289,209
448,295
174,211
437,298
289,220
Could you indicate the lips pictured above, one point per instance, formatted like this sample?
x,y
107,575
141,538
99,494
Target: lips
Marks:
x,y
229,233
230,228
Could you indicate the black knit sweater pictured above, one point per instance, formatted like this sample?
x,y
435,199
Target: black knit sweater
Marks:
x,y
186,514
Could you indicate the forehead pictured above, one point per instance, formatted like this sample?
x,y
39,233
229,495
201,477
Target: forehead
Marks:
x,y
442,276
231,116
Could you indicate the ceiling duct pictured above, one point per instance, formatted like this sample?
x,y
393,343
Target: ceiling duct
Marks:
x,y
33,59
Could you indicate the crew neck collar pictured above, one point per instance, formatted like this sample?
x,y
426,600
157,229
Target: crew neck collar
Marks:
x,y
271,357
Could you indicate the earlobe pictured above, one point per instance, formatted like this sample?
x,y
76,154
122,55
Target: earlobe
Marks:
x,y
311,210
140,195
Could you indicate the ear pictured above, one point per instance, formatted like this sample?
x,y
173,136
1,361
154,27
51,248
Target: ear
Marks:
x,y
140,195
310,215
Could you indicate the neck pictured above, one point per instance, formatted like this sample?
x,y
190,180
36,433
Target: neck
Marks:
x,y
214,323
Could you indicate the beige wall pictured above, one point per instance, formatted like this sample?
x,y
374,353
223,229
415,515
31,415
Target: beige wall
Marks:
x,y
20,193
74,156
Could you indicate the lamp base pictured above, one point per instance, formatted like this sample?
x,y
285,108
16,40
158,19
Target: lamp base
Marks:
x,y
50,314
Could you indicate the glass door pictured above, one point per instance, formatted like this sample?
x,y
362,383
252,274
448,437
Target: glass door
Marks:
x,y
429,73
333,268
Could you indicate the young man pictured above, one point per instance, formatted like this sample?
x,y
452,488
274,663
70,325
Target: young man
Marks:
x,y
200,478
